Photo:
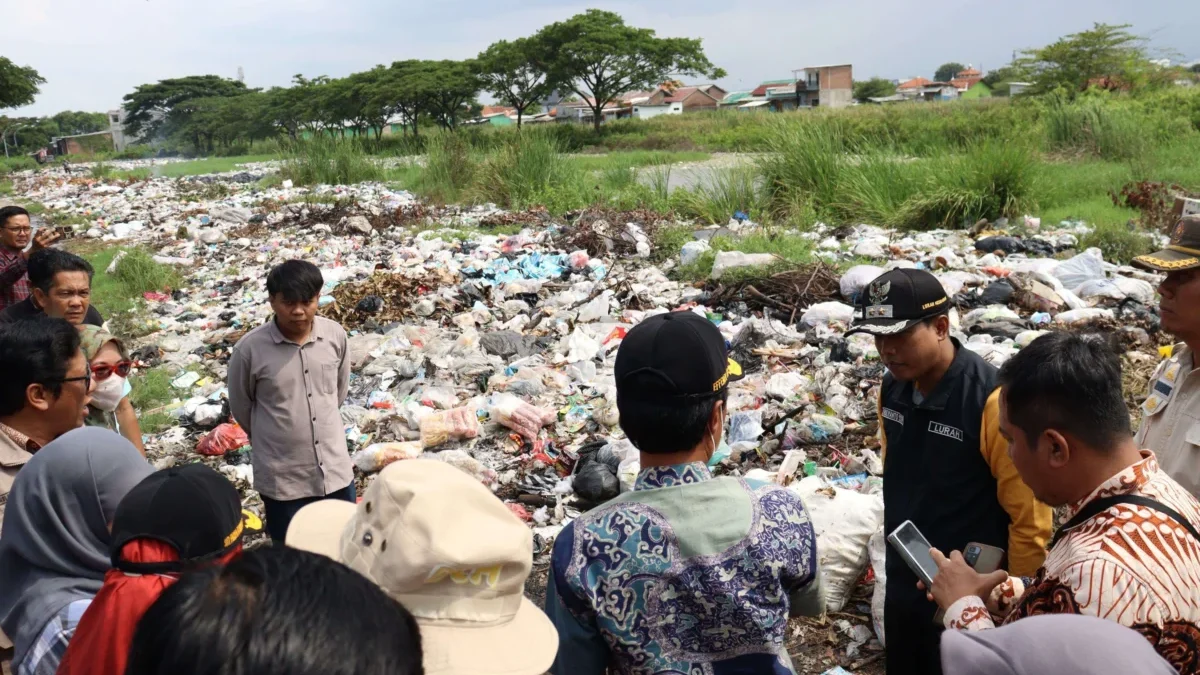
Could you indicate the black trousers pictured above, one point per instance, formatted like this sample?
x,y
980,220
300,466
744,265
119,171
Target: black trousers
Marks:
x,y
279,514
913,640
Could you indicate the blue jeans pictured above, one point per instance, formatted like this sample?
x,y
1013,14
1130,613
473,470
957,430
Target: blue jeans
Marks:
x,y
279,514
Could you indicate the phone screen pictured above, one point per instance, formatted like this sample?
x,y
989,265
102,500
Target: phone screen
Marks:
x,y
908,536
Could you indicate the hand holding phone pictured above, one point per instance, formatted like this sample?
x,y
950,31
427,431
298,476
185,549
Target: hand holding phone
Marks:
x,y
914,550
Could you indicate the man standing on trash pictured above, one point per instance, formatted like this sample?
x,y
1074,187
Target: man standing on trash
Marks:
x,y
16,232
1171,412
687,573
287,381
946,466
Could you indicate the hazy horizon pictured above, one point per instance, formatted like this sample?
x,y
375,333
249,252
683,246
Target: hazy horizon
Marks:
x,y
91,56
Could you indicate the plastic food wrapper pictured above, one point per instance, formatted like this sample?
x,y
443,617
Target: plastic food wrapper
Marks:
x,y
455,424
376,456
514,413
225,438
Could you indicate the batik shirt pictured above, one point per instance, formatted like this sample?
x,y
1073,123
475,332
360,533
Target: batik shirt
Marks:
x,y
686,574
1129,564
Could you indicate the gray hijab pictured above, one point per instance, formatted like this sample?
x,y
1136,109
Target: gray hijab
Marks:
x,y
55,544
1052,644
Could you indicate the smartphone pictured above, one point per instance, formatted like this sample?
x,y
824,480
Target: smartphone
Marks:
x,y
914,548
985,559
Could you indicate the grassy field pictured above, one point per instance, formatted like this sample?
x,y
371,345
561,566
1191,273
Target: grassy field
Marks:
x,y
210,165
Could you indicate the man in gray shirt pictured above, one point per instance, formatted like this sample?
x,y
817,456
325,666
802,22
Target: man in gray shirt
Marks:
x,y
287,381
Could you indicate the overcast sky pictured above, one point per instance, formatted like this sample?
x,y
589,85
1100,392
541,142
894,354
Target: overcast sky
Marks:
x,y
93,53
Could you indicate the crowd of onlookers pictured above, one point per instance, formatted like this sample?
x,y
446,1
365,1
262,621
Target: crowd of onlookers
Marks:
x,y
108,566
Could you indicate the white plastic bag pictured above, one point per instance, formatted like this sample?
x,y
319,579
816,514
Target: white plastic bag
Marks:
x,y
856,278
825,313
877,547
989,313
844,523
514,413
1141,291
1079,270
376,456
727,260
1077,316
692,251
1099,289
787,385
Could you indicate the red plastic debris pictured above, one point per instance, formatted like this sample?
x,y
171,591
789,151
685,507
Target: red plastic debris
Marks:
x,y
225,438
520,511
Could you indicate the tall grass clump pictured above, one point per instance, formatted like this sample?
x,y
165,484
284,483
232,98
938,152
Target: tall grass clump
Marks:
x,y
723,193
989,180
530,169
1095,127
14,164
102,171
329,161
449,167
804,166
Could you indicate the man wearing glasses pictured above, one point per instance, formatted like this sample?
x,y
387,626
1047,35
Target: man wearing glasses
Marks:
x,y
16,232
44,392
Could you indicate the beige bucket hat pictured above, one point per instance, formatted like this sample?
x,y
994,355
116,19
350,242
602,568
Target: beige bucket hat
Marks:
x,y
440,543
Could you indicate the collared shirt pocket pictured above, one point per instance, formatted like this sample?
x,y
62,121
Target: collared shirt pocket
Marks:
x,y
328,383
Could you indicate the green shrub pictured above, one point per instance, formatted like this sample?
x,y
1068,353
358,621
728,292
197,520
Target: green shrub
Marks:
x,y
329,161
721,194
530,169
449,167
102,171
1119,242
14,164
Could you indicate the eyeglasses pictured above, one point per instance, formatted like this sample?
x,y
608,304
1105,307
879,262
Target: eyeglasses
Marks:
x,y
104,371
85,379
19,230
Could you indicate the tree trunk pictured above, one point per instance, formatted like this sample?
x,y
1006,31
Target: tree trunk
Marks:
x,y
597,118
519,115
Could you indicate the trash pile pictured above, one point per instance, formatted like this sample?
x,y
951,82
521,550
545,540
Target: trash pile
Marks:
x,y
495,353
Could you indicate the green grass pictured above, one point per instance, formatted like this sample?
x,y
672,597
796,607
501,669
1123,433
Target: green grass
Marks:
x,y
328,161
634,159
1119,242
791,250
102,171
200,167
142,174
121,292
6,187
721,194
152,390
12,164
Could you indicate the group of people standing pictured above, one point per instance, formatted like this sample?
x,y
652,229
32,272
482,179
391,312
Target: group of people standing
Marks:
x,y
107,566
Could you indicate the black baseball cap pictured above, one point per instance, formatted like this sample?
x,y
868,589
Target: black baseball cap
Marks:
x,y
674,355
1182,253
191,508
897,300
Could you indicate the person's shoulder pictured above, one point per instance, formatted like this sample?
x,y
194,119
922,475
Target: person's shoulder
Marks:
x,y
253,337
330,328
17,311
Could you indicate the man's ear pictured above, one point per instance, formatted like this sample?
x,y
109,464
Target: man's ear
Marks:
x,y
39,297
942,325
716,422
1058,448
39,397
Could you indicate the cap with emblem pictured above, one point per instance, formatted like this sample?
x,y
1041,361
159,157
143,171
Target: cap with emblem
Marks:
x,y
1182,253
897,300
676,354
440,543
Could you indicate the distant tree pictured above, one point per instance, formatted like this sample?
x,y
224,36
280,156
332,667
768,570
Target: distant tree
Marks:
x,y
516,73
71,123
948,71
875,87
453,85
1003,74
149,107
599,57
409,86
1105,53
18,85
1195,68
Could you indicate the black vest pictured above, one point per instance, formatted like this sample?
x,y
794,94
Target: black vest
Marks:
x,y
935,473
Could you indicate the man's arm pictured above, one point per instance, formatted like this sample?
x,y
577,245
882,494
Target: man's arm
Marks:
x,y
344,372
11,269
241,389
1031,519
581,648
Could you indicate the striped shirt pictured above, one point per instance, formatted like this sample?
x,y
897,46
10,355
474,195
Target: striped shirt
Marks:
x,y
47,652
14,280
1129,564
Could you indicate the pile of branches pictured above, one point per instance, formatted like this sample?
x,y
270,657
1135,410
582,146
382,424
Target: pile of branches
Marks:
x,y
603,232
788,291
383,299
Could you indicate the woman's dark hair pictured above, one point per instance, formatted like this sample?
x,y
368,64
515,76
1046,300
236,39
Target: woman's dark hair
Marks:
x,y
276,611
10,211
34,351
666,425
45,264
1070,383
295,281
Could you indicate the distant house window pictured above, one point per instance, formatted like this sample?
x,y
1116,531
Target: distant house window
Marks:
x,y
114,118
814,80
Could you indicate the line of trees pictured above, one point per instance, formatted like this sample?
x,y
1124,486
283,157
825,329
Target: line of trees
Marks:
x,y
594,54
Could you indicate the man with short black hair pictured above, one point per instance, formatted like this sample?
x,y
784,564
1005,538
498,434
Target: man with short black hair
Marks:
x,y
45,386
62,287
287,381
687,573
946,466
1130,551
1171,411
16,233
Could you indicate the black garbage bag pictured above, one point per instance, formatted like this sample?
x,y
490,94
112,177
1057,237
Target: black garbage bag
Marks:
x,y
1039,248
596,473
372,304
1006,244
506,343
998,292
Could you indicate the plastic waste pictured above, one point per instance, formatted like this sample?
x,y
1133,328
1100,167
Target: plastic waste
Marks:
x,y
855,279
745,426
1141,291
506,343
376,456
728,260
372,304
844,521
692,251
824,313
1079,270
225,438
821,428
987,314
440,427
787,385
596,473
877,550
516,414
1079,316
